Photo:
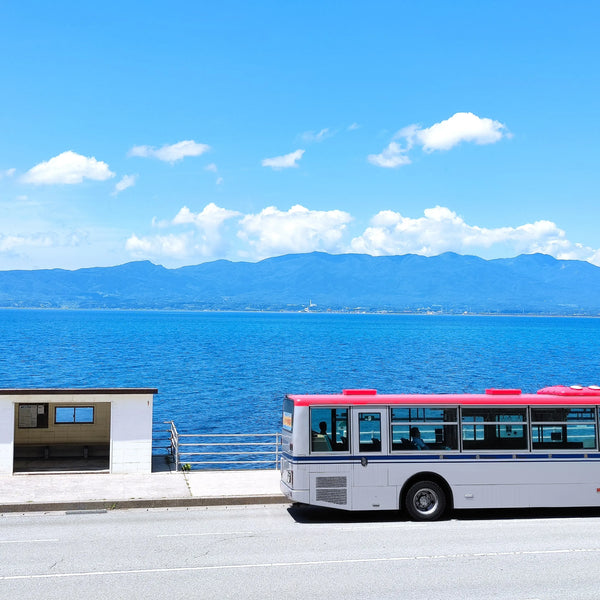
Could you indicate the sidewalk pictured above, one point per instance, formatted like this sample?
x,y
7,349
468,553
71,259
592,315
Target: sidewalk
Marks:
x,y
97,491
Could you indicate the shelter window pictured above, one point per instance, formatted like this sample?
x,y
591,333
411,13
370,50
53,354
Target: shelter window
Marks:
x,y
74,414
33,416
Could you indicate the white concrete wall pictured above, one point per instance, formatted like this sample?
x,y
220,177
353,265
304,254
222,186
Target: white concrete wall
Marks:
x,y
7,432
131,434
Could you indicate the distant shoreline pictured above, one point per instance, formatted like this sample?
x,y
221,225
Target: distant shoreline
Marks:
x,y
301,312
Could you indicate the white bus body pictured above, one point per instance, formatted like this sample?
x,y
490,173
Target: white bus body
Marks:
x,y
503,449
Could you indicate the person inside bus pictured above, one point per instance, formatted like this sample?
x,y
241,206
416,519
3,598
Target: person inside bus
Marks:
x,y
320,440
415,438
323,431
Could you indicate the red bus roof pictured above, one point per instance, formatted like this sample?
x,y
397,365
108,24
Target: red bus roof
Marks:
x,y
563,395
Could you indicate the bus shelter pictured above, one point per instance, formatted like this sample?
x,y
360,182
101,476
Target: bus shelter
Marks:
x,y
76,429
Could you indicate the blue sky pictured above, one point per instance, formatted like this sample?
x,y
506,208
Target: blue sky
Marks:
x,y
192,131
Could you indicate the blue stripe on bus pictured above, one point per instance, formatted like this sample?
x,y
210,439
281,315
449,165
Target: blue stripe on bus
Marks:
x,y
498,456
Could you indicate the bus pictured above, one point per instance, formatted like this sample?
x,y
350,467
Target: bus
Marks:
x,y
430,453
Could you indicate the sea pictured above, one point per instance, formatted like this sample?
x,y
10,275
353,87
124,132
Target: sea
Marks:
x,y
222,372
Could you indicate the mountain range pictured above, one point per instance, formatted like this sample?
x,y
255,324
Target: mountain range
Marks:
x,y
448,283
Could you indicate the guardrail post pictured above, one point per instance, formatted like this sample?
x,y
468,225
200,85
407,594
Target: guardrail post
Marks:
x,y
175,445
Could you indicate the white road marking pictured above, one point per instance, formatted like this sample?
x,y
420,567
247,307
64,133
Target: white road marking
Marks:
x,y
165,535
387,526
27,541
316,563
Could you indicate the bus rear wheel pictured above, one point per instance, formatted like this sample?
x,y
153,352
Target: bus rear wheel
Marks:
x,y
425,501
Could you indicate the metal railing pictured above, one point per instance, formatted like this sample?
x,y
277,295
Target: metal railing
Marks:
x,y
174,445
162,439
224,450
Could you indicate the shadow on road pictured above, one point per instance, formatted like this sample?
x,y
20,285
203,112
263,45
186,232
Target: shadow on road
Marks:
x,y
525,513
303,513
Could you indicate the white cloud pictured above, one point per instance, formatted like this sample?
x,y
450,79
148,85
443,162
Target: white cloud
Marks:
x,y
283,162
12,243
594,258
126,182
205,240
213,169
178,246
216,232
299,229
392,156
7,173
68,168
460,127
160,223
171,153
20,248
441,230
319,136
211,217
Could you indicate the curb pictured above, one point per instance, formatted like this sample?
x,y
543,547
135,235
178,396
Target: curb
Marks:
x,y
106,505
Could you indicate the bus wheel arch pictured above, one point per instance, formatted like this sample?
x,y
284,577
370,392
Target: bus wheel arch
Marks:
x,y
426,497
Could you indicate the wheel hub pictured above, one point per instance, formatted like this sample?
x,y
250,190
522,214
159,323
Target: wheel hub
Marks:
x,y
425,501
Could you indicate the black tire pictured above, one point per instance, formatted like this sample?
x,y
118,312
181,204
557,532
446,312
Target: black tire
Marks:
x,y
425,501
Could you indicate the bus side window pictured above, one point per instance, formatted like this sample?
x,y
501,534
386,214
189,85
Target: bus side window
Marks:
x,y
568,428
329,430
494,428
437,428
369,432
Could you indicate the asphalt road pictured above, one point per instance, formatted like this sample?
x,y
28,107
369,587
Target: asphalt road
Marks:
x,y
277,551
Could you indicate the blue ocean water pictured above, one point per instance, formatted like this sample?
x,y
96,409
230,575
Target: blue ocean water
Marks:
x,y
228,372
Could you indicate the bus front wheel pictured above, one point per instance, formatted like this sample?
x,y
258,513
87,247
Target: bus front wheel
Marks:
x,y
425,501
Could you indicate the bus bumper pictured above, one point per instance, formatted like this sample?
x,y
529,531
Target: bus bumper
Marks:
x,y
292,494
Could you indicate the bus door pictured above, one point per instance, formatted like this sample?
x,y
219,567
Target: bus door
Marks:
x,y
370,446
